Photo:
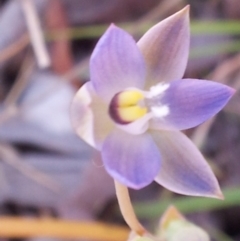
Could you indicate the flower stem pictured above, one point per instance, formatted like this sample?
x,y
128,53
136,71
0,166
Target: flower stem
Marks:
x,y
127,209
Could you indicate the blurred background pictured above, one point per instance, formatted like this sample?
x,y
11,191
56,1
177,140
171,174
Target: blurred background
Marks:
x,y
45,169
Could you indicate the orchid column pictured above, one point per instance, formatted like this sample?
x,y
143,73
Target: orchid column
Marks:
x,y
135,105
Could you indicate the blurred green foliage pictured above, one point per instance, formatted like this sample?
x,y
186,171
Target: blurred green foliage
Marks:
x,y
198,28
188,204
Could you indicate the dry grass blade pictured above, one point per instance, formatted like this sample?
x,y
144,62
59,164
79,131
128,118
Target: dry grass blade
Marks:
x,y
36,34
21,82
11,108
78,70
11,157
54,228
14,48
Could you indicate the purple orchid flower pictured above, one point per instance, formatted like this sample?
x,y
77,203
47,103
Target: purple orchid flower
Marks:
x,y
136,103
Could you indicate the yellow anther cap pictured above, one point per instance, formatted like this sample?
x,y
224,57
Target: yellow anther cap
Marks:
x,y
125,107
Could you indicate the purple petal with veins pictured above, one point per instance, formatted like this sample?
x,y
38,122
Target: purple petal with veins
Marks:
x,y
184,169
116,64
165,48
189,102
133,160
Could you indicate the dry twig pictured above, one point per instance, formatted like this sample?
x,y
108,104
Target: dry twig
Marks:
x,y
36,35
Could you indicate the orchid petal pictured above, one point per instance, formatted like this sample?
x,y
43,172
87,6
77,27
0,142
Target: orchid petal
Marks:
x,y
89,116
116,64
165,48
188,103
137,127
184,169
133,160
